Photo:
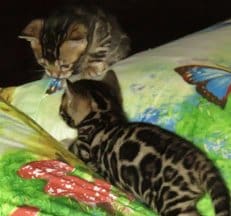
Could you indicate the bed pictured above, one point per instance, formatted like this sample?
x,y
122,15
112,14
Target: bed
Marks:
x,y
182,86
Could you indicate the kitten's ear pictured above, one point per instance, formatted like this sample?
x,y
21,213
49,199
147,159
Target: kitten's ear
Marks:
x,y
72,91
111,79
32,30
80,97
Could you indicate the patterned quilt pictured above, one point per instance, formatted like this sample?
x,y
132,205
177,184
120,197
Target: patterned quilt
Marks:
x,y
183,86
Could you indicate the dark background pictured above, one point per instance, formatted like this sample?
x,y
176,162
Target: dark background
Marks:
x,y
149,23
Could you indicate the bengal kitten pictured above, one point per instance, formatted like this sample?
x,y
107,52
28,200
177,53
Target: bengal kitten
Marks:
x,y
163,170
78,39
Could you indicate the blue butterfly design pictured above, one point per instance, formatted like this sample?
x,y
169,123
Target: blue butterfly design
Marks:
x,y
54,85
212,83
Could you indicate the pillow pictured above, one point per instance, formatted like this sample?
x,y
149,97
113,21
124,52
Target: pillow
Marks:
x,y
183,86
31,98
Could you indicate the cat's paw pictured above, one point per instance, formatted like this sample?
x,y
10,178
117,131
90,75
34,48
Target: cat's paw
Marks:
x,y
94,70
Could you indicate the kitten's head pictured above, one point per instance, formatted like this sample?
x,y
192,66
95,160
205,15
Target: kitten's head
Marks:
x,y
58,41
91,96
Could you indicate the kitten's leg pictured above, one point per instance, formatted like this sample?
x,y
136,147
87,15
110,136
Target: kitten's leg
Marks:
x,y
94,69
190,212
187,208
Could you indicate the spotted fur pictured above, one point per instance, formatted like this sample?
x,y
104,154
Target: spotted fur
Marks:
x,y
163,170
78,39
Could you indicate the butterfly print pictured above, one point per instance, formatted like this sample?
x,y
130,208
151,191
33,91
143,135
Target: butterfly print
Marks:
x,y
212,83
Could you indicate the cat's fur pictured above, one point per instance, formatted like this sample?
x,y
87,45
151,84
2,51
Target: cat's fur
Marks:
x,y
76,39
163,170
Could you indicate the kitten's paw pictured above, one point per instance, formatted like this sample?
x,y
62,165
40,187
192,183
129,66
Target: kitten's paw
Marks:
x,y
94,70
91,72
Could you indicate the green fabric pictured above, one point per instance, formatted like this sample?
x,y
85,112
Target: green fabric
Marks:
x,y
23,143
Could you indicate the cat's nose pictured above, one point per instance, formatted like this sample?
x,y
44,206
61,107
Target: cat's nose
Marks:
x,y
53,73
60,75
56,74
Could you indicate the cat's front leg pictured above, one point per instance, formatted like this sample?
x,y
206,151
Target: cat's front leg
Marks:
x,y
94,69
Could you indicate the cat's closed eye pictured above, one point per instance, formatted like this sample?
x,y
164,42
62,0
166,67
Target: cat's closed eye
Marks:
x,y
66,67
42,62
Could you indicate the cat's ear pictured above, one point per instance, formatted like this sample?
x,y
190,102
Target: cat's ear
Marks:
x,y
80,97
32,30
111,79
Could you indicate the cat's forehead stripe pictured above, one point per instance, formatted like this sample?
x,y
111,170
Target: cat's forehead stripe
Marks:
x,y
53,34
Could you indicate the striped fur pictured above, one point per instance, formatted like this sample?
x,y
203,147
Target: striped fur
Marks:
x,y
79,39
163,170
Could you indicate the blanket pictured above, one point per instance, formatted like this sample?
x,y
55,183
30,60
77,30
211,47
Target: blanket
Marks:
x,y
183,86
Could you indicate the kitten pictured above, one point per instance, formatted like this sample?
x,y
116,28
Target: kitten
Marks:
x,y
79,39
161,169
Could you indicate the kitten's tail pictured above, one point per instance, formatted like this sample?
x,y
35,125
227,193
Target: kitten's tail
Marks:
x,y
218,191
